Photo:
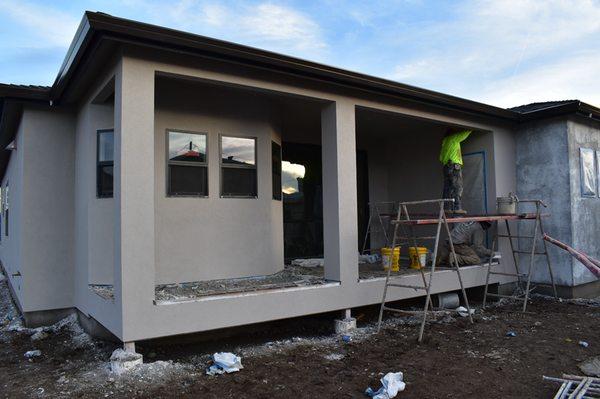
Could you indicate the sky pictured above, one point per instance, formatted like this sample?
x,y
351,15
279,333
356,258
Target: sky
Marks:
x,y
500,52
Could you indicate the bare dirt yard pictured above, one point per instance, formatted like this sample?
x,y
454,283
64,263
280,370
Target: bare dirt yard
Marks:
x,y
304,359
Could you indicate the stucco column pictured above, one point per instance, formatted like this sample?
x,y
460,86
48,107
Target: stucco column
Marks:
x,y
340,219
134,193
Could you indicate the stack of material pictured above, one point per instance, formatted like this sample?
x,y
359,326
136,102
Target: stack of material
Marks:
x,y
574,386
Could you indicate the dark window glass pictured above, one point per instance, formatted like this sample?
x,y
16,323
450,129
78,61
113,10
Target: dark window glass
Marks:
x,y
239,182
188,168
276,165
105,163
187,180
238,167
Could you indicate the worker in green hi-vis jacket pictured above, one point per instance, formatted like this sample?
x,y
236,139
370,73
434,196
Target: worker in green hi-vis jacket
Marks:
x,y
451,158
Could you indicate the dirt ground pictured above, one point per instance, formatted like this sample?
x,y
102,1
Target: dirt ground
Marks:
x,y
303,359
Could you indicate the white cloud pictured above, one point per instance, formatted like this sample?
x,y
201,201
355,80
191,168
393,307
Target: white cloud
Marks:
x,y
509,43
50,26
565,79
282,26
268,25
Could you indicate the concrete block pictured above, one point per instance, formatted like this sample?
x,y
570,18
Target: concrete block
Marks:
x,y
345,325
122,361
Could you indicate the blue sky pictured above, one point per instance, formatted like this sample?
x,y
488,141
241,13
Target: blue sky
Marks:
x,y
502,52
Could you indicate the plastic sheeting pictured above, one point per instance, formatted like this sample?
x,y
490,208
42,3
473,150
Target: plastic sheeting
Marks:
x,y
588,172
474,187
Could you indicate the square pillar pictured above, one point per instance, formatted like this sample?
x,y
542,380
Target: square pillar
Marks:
x,y
340,214
134,194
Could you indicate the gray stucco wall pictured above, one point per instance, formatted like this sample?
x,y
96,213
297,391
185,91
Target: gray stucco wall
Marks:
x,y
214,237
585,211
543,173
94,240
11,245
40,241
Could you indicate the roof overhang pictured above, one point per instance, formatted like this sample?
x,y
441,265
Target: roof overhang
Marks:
x,y
96,27
574,107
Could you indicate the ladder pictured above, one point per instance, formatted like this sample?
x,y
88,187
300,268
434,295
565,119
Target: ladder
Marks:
x,y
403,219
522,294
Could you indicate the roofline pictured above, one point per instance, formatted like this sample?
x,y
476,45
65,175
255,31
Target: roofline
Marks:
x,y
96,26
573,107
25,93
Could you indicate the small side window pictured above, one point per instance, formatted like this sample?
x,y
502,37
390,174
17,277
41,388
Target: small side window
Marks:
x,y
276,164
238,167
187,164
105,164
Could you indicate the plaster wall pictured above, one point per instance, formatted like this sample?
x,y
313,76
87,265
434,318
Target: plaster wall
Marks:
x,y
585,211
213,237
46,220
543,172
11,252
94,241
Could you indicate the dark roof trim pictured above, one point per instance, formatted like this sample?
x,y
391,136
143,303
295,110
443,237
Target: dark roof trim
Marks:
x,y
26,93
95,24
559,109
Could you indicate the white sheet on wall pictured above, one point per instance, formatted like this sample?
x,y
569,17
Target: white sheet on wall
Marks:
x,y
474,188
598,169
588,172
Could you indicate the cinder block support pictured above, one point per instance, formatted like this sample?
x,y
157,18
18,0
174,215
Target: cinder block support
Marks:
x,y
340,226
129,346
134,195
347,324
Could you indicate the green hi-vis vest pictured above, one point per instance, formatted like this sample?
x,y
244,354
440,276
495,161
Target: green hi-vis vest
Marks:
x,y
451,147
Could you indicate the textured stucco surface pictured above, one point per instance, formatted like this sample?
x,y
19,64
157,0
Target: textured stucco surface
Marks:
x,y
585,211
214,238
543,173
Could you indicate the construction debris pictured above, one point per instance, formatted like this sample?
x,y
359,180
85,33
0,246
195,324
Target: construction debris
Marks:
x,y
391,384
33,353
225,362
122,361
574,386
591,367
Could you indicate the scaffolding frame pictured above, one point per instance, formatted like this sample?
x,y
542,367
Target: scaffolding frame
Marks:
x,y
403,219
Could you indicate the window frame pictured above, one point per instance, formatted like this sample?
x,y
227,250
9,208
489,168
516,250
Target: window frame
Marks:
x,y
277,189
234,166
101,164
185,163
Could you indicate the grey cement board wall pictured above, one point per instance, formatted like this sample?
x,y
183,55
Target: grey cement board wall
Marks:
x,y
214,237
10,246
95,216
543,172
585,211
39,245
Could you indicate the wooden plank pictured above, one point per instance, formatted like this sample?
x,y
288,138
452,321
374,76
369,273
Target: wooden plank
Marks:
x,y
463,219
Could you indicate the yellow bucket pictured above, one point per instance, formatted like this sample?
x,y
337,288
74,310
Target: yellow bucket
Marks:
x,y
414,260
387,258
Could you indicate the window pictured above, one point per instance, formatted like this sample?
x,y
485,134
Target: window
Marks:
x,y
187,165
6,209
238,167
588,172
105,164
276,163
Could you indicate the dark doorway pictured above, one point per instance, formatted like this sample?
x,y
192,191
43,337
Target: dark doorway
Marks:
x,y
302,187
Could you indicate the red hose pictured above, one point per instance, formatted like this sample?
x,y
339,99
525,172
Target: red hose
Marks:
x,y
592,264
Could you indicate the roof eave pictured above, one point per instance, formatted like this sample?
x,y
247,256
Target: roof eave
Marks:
x,y
105,26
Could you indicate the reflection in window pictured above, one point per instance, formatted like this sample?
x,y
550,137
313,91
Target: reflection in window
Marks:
x,y
187,164
187,147
238,150
105,164
293,174
238,167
